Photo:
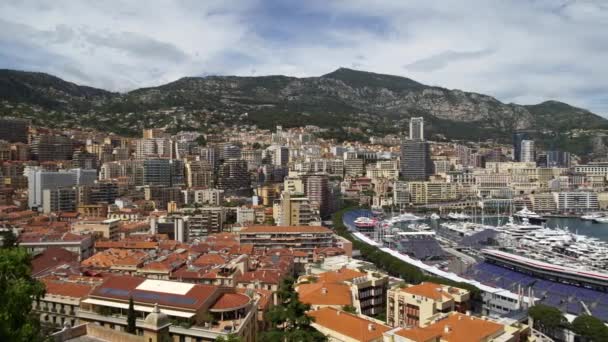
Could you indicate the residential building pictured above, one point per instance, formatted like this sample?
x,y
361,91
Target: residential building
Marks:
x,y
13,129
40,180
417,305
416,164
60,199
47,147
103,228
302,238
190,307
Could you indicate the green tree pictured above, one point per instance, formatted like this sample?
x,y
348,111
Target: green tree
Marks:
x,y
131,327
18,290
349,309
547,319
288,320
8,239
201,140
229,338
590,328
256,146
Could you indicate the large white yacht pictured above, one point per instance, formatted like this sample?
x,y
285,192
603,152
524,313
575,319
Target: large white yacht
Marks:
x,y
533,217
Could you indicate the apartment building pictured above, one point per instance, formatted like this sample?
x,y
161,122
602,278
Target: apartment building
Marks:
x,y
417,305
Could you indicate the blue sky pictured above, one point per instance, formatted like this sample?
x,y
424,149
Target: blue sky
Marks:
x,y
523,51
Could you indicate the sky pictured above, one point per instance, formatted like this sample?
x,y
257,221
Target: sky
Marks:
x,y
521,51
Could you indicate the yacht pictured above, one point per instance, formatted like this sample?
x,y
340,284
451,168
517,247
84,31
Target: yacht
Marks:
x,y
434,216
531,216
365,222
601,220
405,217
518,230
592,216
458,216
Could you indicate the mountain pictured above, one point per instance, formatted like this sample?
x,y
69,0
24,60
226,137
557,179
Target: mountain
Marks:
x,y
345,97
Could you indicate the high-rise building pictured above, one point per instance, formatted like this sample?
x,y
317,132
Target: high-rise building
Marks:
x,y
229,151
48,147
13,130
199,174
317,190
416,164
417,128
281,156
100,192
558,159
527,151
294,211
518,137
57,200
167,172
233,177
154,148
210,154
40,180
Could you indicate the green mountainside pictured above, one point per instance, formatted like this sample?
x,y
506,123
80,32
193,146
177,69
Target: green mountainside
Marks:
x,y
376,103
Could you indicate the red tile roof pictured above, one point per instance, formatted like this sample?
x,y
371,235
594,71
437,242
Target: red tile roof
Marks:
x,y
230,301
353,326
66,289
124,287
51,257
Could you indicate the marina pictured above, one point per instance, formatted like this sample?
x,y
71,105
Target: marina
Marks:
x,y
562,262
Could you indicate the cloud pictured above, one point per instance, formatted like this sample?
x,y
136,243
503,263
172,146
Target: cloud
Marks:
x,y
526,51
442,60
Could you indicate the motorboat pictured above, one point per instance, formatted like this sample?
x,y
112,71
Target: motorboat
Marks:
x,y
601,220
458,216
531,216
365,222
592,216
434,216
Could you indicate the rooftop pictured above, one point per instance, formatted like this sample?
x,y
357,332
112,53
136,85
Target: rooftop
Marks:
x,y
455,327
165,293
324,294
432,291
353,326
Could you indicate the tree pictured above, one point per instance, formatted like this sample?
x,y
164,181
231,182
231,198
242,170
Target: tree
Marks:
x,y
228,338
131,328
7,239
288,320
350,309
256,146
590,328
547,319
18,290
201,140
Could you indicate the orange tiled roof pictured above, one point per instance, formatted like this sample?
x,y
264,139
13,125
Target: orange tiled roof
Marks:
x,y
462,328
350,325
343,274
428,290
210,259
324,294
230,301
66,289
